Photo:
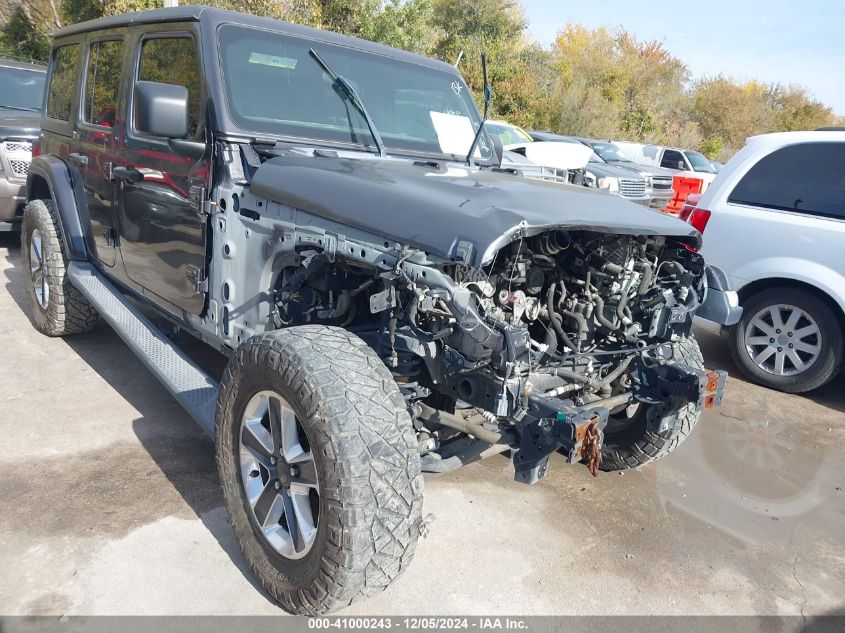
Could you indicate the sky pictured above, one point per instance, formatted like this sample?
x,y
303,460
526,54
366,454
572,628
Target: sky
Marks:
x,y
791,42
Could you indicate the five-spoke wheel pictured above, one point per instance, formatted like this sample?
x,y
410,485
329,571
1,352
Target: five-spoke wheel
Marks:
x,y
37,270
279,475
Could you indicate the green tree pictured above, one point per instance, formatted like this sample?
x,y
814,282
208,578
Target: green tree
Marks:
x,y
22,37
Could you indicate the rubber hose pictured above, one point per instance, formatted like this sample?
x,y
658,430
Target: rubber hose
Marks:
x,y
603,320
645,282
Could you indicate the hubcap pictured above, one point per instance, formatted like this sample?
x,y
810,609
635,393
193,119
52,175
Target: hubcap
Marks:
x,y
783,340
36,269
279,475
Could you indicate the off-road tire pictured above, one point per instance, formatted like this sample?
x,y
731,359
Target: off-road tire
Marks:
x,y
635,445
830,358
67,311
365,450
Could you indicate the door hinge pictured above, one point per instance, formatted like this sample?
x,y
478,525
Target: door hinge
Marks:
x,y
194,275
196,197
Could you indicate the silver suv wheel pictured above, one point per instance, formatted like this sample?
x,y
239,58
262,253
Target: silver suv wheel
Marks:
x,y
38,271
783,340
279,475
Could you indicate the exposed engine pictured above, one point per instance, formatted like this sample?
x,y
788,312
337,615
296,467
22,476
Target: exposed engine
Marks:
x,y
558,325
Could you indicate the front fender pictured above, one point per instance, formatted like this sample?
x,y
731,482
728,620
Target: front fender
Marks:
x,y
68,199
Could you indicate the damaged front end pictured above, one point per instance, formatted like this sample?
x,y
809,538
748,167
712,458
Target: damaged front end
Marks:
x,y
533,350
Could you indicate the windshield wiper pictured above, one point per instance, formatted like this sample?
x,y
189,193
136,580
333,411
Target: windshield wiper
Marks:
x,y
22,108
347,89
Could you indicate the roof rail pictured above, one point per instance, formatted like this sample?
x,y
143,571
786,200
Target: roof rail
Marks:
x,y
830,129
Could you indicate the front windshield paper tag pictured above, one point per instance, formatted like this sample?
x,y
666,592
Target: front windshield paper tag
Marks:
x,y
454,133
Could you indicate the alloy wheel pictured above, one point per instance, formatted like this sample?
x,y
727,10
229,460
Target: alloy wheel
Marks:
x,y
783,340
37,270
279,475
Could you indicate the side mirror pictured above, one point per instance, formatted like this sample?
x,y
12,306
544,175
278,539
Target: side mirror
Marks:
x,y
682,165
161,109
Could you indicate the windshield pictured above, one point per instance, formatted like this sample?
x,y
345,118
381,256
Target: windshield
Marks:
x,y
21,89
610,153
700,162
508,134
274,86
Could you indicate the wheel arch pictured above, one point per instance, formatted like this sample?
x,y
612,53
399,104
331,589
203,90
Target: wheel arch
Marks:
x,y
759,285
49,178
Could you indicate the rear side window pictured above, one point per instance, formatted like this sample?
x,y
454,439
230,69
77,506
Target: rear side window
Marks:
x,y
807,178
671,158
62,82
174,60
102,82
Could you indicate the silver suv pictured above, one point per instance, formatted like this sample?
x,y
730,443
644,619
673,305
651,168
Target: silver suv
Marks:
x,y
21,94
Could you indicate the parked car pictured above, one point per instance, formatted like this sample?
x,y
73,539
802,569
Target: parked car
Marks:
x,y
390,302
683,161
21,94
529,169
775,222
563,156
659,180
618,179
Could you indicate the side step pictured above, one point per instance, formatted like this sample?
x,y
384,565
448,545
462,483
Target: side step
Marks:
x,y
191,386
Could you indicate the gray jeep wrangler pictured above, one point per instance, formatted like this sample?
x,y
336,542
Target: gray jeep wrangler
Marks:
x,y
325,212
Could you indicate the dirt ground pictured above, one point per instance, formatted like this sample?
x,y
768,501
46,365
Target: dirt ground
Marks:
x,y
110,504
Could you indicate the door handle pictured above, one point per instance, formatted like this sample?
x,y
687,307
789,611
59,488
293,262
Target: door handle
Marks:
x,y
78,159
127,174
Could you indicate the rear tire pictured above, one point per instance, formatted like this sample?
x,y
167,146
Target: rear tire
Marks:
x,y
628,442
756,328
354,425
58,309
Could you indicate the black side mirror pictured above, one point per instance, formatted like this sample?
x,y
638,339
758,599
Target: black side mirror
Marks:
x,y
161,109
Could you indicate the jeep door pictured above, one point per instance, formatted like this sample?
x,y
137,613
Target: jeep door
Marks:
x,y
96,136
161,223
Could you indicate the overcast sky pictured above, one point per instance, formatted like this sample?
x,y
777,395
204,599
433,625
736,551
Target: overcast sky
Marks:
x,y
791,42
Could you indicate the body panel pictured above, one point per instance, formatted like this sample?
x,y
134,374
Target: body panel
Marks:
x,y
436,208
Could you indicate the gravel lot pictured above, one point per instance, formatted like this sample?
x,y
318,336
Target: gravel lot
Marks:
x,y
109,504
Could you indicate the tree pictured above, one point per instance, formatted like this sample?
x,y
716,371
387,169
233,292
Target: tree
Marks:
x,y
22,37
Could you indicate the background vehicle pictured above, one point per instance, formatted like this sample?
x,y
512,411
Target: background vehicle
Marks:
x,y
659,179
775,222
389,301
688,162
564,156
618,179
21,95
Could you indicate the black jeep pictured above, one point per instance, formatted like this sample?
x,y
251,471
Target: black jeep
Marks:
x,y
325,212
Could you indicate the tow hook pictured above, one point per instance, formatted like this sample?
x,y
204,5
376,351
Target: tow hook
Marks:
x,y
577,435
590,437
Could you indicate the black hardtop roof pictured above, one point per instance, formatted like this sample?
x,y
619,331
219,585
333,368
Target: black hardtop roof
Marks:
x,y
14,63
216,17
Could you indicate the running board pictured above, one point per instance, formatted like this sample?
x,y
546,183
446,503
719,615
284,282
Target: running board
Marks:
x,y
191,386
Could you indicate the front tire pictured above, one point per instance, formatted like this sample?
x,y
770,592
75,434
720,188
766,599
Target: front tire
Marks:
x,y
57,308
336,452
787,339
629,442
